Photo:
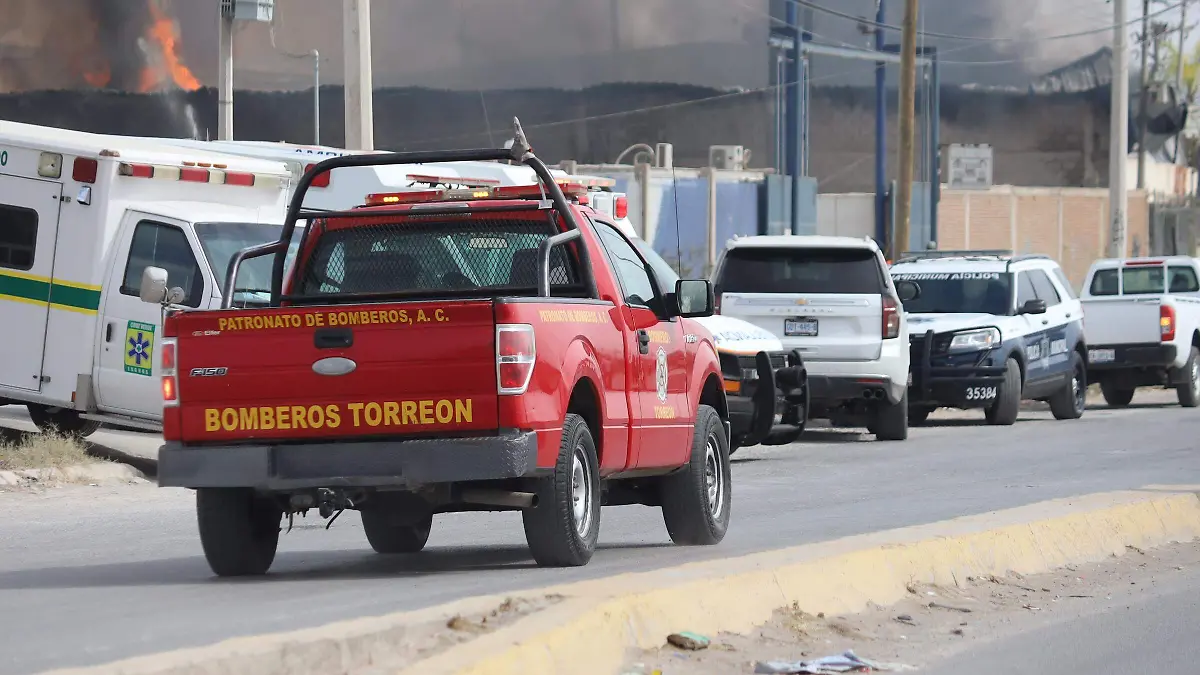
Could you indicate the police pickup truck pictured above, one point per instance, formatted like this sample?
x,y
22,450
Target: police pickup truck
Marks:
x,y
989,329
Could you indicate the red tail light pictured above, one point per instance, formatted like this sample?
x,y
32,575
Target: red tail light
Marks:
x,y
1166,322
621,207
891,318
167,366
516,352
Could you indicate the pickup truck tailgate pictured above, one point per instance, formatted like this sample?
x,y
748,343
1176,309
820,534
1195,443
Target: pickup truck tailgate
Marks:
x,y
412,368
1117,321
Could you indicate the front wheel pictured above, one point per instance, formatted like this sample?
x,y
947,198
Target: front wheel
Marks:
x,y
696,499
1068,403
1189,391
1003,411
386,536
61,420
239,530
1114,397
562,528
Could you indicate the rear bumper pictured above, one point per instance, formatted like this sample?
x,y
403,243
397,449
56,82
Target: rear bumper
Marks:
x,y
1144,355
406,464
832,389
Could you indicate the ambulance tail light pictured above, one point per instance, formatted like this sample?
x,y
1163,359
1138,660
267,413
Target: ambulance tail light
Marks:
x,y
167,366
621,208
85,170
320,180
1166,322
243,178
516,353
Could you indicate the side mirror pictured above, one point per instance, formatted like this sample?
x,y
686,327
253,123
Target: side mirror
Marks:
x,y
908,290
154,285
154,288
1034,307
694,298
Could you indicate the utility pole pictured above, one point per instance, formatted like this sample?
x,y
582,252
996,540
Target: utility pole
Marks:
x,y
1118,151
1179,153
908,85
360,114
1143,96
881,230
225,80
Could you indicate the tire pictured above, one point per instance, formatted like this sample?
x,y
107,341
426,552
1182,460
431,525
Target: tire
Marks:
x,y
1069,402
696,499
389,538
891,420
1003,412
918,416
1114,397
563,527
239,530
1189,392
61,420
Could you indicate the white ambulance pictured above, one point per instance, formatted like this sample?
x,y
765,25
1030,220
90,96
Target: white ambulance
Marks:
x,y
81,217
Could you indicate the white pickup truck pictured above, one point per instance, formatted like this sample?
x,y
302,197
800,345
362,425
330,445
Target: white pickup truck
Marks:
x,y
1141,319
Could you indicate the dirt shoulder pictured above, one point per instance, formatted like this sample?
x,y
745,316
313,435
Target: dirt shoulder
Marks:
x,y
933,622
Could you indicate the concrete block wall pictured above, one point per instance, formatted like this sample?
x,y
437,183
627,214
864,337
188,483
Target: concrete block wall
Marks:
x,y
1068,224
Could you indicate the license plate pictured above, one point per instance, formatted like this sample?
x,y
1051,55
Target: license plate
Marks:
x,y
1101,355
800,327
980,393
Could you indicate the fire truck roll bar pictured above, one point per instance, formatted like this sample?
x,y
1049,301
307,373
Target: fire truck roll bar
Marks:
x,y
519,152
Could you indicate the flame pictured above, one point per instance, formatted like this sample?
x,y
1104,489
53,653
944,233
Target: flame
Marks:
x,y
163,34
98,78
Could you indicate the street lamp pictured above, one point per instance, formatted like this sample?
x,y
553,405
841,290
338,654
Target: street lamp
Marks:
x,y
262,11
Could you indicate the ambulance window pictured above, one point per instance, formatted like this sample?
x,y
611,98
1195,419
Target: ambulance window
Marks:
x,y
18,234
159,245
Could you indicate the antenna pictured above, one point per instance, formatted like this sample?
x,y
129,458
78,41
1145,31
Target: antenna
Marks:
x,y
678,238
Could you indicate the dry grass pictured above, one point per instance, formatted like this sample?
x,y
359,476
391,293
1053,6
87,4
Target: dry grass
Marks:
x,y
42,451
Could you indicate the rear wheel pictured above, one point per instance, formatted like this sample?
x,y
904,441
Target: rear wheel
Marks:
x,y
61,420
891,420
696,499
239,530
1189,391
563,527
1003,411
386,536
1068,403
1114,396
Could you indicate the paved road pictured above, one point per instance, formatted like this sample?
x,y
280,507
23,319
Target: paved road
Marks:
x,y
92,576
1154,634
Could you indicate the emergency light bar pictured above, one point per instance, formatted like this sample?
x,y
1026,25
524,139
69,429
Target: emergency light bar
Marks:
x,y
198,172
570,190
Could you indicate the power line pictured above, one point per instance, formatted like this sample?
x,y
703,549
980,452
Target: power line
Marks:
x,y
981,38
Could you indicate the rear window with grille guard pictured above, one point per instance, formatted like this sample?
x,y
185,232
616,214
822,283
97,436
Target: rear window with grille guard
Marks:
x,y
436,258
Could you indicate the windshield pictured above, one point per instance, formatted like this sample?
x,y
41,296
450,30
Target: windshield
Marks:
x,y
800,270
960,293
221,241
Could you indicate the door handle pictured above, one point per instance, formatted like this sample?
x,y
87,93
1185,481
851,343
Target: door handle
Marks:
x,y
1045,321
643,342
108,332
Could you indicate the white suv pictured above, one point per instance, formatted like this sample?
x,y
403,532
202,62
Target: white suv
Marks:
x,y
832,300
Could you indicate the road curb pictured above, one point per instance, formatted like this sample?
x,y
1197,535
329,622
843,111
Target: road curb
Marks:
x,y
594,624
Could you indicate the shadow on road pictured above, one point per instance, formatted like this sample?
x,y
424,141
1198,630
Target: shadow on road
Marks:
x,y
334,565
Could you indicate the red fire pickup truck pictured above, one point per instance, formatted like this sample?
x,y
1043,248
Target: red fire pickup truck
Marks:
x,y
442,351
